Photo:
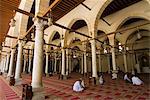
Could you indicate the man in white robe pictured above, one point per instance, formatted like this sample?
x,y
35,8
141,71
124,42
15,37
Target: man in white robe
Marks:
x,y
101,80
136,80
77,87
126,78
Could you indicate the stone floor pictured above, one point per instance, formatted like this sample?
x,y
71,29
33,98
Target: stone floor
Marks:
x,y
55,89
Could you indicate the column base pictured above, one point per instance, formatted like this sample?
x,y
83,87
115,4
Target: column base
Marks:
x,y
93,81
63,77
114,74
36,85
47,75
85,75
18,81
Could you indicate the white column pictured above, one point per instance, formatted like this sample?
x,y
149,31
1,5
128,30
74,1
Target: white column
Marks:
x,y
108,60
46,66
19,61
114,75
63,62
30,63
125,61
100,65
38,54
7,62
70,69
25,62
85,63
10,72
3,64
94,66
67,61
82,65
55,62
113,59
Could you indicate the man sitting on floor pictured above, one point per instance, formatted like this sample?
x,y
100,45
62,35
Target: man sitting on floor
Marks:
x,y
77,87
101,80
126,78
136,80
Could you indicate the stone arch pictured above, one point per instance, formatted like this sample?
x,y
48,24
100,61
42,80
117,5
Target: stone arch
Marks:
x,y
99,13
72,22
51,32
125,18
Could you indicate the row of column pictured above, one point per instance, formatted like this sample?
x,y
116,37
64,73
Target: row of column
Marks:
x,y
38,58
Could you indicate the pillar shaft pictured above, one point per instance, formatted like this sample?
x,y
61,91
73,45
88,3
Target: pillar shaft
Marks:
x,y
63,62
113,59
46,66
10,72
38,54
94,65
100,65
55,62
125,62
19,62
30,62
7,62
67,62
85,63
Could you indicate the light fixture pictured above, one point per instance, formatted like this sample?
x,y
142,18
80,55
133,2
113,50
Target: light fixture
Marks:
x,y
127,48
120,47
138,34
105,51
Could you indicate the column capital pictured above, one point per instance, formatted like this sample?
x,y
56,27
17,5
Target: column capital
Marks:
x,y
39,23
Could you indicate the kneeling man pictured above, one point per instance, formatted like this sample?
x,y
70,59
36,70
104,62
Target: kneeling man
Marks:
x,y
77,87
136,80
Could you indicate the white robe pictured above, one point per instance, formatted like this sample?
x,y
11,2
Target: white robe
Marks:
x,y
136,81
101,81
126,78
77,87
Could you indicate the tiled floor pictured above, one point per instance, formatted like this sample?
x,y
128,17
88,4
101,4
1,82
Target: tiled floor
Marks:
x,y
55,89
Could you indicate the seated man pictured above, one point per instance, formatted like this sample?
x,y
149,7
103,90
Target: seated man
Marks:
x,y
101,80
77,87
82,83
136,80
126,78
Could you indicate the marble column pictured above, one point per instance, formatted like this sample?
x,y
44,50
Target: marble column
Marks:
x,y
114,75
30,63
125,61
19,61
82,64
3,64
38,54
7,62
100,63
55,65
67,62
10,72
46,66
108,60
25,62
85,63
70,69
63,62
94,64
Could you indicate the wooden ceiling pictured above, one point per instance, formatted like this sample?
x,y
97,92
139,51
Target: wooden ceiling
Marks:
x,y
6,13
117,5
64,6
